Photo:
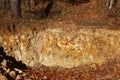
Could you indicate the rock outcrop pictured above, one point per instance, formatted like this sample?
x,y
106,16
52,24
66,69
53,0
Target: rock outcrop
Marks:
x,y
62,47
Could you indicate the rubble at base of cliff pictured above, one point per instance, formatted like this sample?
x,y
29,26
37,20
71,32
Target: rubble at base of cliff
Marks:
x,y
10,68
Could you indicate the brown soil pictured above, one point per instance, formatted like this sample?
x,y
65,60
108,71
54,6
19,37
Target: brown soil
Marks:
x,y
107,71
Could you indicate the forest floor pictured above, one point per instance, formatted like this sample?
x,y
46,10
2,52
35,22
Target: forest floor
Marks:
x,y
86,14
62,14
107,71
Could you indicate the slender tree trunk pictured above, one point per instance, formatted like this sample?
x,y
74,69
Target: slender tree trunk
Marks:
x,y
29,4
23,1
37,2
3,5
110,3
33,3
15,8
7,4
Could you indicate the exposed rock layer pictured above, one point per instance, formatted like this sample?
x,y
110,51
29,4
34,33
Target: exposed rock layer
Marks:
x,y
61,47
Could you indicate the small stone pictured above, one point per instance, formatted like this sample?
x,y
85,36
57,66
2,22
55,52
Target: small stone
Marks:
x,y
45,77
28,79
8,70
24,74
19,77
4,62
19,71
12,74
2,77
5,69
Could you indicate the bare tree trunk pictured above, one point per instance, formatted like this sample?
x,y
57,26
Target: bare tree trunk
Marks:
x,y
23,1
15,8
36,2
7,4
110,3
33,3
3,5
29,4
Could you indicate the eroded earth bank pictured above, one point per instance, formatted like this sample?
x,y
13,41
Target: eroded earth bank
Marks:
x,y
71,52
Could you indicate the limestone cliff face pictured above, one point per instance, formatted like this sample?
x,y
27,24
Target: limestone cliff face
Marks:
x,y
59,47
